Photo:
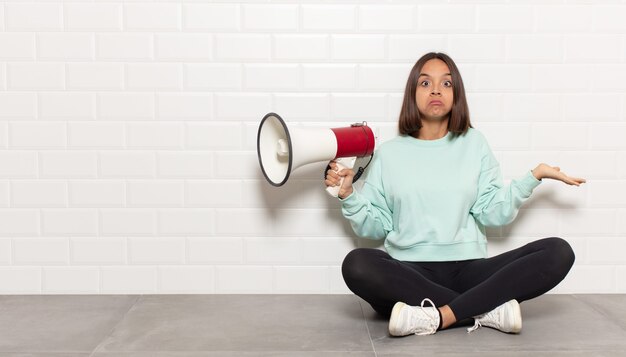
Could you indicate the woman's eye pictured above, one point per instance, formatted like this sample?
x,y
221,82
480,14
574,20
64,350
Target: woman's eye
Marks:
x,y
447,83
425,83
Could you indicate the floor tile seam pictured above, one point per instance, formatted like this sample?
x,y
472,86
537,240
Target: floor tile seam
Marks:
x,y
558,352
45,352
428,349
369,334
106,337
210,351
611,352
592,306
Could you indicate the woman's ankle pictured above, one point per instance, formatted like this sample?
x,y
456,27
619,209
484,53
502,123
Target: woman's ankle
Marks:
x,y
447,317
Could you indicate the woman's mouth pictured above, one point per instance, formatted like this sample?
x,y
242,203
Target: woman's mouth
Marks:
x,y
436,102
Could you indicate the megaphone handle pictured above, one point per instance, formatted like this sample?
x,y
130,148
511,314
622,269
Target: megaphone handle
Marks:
x,y
334,190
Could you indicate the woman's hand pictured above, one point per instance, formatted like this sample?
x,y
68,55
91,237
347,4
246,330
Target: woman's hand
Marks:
x,y
333,178
554,172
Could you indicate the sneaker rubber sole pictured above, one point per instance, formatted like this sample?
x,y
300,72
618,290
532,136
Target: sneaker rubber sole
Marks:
x,y
516,312
394,320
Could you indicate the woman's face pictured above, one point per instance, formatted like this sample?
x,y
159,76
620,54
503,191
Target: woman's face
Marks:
x,y
434,90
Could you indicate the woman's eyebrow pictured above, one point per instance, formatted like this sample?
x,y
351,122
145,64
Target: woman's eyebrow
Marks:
x,y
428,75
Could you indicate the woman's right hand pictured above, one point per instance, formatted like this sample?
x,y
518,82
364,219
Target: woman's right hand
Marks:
x,y
333,178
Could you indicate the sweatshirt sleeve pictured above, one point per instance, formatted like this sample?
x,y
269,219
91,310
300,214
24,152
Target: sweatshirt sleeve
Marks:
x,y
367,211
496,204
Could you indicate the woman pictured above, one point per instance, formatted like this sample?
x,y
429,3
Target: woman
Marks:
x,y
430,193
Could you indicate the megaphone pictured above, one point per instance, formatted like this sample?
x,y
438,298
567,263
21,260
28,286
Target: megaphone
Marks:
x,y
281,149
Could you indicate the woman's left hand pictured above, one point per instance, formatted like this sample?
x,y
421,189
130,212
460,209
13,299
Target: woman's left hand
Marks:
x,y
554,172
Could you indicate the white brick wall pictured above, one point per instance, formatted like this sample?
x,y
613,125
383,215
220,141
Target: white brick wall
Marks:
x,y
128,134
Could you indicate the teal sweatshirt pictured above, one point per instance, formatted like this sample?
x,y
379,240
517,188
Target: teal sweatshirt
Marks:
x,y
432,199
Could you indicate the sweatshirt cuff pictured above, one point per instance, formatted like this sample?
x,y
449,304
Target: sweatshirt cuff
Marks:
x,y
352,201
347,198
529,182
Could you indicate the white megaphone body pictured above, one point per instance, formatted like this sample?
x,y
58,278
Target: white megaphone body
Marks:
x,y
282,150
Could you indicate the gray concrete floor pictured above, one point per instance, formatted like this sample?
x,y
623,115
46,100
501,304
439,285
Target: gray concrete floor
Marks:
x,y
288,325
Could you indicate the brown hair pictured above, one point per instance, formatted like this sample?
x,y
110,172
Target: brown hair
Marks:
x,y
410,121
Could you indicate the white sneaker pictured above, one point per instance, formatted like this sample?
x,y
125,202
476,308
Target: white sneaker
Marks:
x,y
419,320
506,318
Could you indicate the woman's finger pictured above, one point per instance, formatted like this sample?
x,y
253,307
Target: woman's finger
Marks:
x,y
331,182
576,181
332,174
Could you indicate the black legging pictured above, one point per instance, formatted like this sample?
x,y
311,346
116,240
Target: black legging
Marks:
x,y
469,287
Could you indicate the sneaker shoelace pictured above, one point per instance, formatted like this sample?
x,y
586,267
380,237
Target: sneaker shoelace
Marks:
x,y
493,315
432,318
476,326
